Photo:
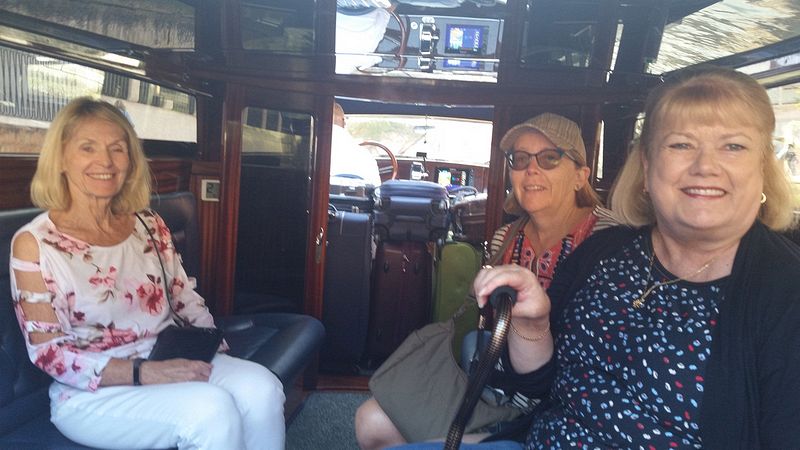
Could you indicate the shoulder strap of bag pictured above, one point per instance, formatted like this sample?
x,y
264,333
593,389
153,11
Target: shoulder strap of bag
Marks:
x,y
163,271
513,229
495,258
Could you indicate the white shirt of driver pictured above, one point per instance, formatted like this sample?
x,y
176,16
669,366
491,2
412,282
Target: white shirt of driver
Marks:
x,y
349,158
356,37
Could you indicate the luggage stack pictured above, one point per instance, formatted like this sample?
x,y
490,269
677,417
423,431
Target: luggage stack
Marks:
x,y
411,219
410,210
346,297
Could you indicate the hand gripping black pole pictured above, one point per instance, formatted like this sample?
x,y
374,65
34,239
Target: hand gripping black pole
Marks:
x,y
502,299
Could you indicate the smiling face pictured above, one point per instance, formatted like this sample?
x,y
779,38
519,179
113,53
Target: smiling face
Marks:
x,y
95,160
705,178
545,191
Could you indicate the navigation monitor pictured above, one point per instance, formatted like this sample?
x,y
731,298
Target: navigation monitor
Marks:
x,y
452,177
466,39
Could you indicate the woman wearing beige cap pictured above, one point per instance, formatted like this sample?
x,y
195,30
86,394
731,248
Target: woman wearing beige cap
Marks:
x,y
550,193
680,329
557,210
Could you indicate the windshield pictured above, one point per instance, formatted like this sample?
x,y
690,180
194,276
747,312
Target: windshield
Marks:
x,y
439,138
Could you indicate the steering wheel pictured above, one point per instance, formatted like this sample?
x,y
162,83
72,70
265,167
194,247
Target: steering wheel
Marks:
x,y
384,170
463,191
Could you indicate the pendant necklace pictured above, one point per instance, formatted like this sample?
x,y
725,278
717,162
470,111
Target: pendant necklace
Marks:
x,y
639,302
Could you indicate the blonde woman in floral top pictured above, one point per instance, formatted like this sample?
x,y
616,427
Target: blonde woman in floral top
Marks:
x,y
89,296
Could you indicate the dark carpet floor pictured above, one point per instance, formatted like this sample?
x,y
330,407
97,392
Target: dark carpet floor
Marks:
x,y
325,422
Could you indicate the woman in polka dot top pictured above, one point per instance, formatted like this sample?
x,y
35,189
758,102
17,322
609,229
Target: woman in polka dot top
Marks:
x,y
680,331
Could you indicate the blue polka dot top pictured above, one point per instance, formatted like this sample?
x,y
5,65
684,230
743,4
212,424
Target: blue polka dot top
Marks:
x,y
631,377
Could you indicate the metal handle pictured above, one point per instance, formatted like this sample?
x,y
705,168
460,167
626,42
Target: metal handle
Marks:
x,y
318,243
503,299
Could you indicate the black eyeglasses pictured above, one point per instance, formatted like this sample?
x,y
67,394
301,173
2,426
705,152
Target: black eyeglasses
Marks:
x,y
547,159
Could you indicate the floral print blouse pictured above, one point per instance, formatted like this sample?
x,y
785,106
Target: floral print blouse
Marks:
x,y
109,300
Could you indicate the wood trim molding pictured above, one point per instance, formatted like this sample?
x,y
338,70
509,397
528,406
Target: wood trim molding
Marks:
x,y
16,172
208,216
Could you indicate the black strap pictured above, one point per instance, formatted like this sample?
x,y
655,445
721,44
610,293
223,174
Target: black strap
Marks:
x,y
502,299
137,364
163,271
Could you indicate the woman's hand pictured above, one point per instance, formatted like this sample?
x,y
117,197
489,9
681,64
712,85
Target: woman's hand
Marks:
x,y
530,344
532,302
174,371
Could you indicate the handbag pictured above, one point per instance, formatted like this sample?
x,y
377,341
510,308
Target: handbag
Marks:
x,y
185,341
421,385
198,343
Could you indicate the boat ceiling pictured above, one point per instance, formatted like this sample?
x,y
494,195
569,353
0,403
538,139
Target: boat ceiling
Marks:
x,y
696,31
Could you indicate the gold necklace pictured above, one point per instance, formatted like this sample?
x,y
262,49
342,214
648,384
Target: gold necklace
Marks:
x,y
639,302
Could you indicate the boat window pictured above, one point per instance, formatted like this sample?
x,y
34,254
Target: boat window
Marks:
x,y
34,88
559,32
786,102
443,139
280,134
274,198
723,29
278,26
151,23
438,39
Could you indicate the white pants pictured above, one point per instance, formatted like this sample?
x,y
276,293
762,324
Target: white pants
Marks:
x,y
241,407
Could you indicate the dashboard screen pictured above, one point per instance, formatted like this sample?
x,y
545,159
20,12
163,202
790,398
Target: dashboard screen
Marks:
x,y
452,177
465,39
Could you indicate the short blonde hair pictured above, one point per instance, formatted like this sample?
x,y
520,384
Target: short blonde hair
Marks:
x,y
49,188
705,94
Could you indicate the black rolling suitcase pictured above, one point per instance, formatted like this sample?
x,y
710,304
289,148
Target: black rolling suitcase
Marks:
x,y
410,210
401,300
346,295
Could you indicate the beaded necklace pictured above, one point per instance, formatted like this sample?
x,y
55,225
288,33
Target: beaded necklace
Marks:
x,y
516,254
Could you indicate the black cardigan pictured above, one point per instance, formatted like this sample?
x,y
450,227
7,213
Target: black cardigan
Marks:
x,y
752,388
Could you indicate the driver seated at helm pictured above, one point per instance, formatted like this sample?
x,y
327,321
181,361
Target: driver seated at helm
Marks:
x,y
348,159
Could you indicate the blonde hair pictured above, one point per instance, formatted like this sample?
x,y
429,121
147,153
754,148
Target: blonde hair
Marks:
x,y
705,95
49,188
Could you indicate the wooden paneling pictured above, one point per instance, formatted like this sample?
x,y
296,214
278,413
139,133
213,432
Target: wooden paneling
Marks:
x,y
16,173
208,212
170,175
228,221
